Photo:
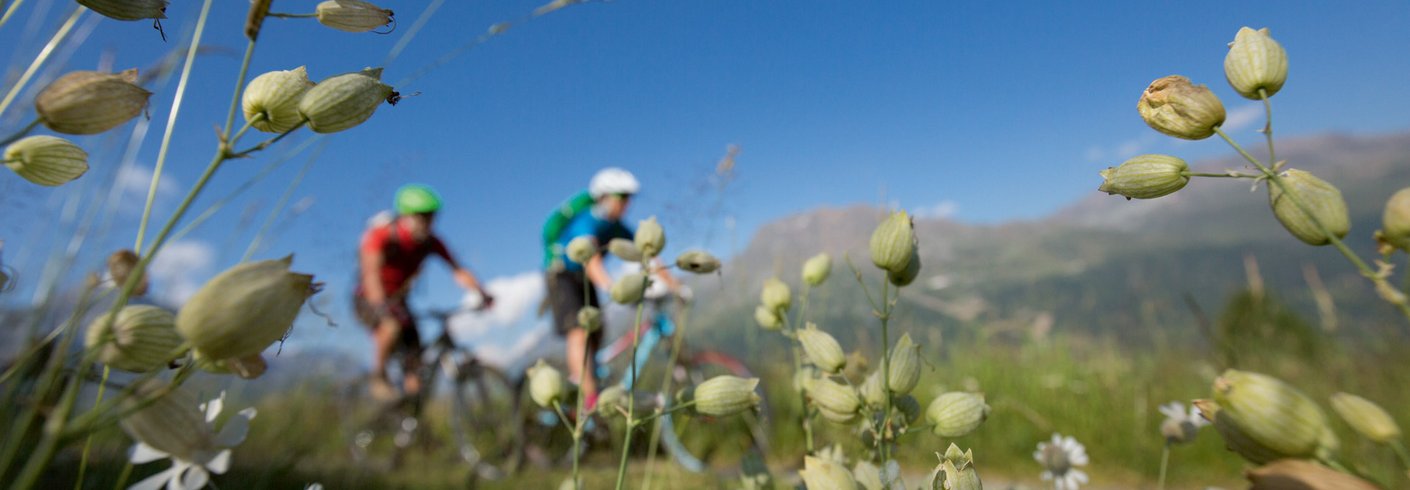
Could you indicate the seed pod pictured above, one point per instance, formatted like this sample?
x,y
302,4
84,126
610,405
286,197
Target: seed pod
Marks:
x,y
825,474
271,101
726,395
956,471
1272,413
1255,61
629,288
905,366
590,318
650,238
1146,177
873,390
907,276
822,349
46,160
1303,474
893,243
769,319
90,102
545,384
344,101
1395,222
1367,418
1174,106
834,397
1320,197
698,262
908,406
867,475
127,9
173,423
624,249
816,269
243,310
352,15
956,414
581,249
121,265
775,296
142,339
611,398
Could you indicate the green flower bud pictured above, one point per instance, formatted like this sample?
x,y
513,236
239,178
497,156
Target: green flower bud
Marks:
x,y
243,310
1367,418
581,249
835,398
650,238
907,276
822,349
90,102
956,414
816,269
143,338
825,474
545,384
726,395
590,318
1323,199
345,101
1297,473
905,366
1174,106
698,262
624,249
352,15
1146,177
46,160
173,423
769,319
1235,439
127,9
1273,414
611,398
1255,61
873,390
1395,222
271,100
776,296
893,243
629,288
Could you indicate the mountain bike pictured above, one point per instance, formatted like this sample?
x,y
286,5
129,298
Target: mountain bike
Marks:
x,y
466,410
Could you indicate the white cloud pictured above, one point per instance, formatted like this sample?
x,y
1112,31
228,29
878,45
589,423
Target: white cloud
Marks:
x,y
516,299
1242,117
942,209
178,269
134,181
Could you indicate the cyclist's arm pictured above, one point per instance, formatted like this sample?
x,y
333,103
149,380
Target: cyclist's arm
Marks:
x,y
462,276
597,273
370,261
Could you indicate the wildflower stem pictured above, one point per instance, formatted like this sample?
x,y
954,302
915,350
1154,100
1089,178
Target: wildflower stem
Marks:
x,y
239,86
885,316
246,152
631,388
576,429
278,206
22,132
291,16
88,443
1350,255
1164,464
677,339
1229,174
43,56
171,122
8,12
1268,126
122,477
581,407
1400,452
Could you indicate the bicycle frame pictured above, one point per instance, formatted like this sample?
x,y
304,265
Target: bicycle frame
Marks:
x,y
649,334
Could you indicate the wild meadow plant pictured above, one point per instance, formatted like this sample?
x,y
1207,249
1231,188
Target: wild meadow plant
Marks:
x,y
1265,420
226,324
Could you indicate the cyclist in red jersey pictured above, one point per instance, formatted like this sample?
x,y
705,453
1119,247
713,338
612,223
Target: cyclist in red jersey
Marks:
x,y
389,258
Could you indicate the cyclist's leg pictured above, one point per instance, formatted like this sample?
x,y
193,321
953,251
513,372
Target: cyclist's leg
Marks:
x,y
383,330
408,341
566,294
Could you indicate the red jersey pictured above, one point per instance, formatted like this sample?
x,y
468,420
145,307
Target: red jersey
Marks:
x,y
401,255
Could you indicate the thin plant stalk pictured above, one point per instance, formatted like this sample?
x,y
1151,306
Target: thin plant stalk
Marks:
x,y
885,317
278,206
631,390
1164,465
666,382
123,476
10,11
235,99
171,121
88,441
582,397
22,132
1401,453
43,56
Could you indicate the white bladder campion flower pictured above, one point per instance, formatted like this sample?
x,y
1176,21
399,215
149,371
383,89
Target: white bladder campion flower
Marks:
x,y
1059,458
192,469
1180,425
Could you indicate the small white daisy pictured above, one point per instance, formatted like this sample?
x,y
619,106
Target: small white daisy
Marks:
x,y
1059,458
1180,426
1176,410
192,470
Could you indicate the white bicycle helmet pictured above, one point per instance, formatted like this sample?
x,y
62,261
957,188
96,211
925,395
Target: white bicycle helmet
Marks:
x,y
612,180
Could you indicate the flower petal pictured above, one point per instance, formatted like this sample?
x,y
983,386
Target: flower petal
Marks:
x,y
219,463
1174,410
142,453
214,407
156,481
195,478
234,432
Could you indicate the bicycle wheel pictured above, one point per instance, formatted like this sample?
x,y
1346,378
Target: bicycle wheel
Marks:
x,y
484,417
698,442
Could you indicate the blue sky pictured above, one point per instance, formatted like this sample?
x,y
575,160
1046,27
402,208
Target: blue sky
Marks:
x,y
982,111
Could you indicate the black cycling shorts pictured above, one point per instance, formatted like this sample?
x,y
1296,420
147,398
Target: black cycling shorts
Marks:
x,y
408,340
565,295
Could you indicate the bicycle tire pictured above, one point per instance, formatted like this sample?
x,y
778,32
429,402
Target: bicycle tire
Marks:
x,y
484,416
694,456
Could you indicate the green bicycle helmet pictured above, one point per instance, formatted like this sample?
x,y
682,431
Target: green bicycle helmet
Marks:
x,y
417,199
